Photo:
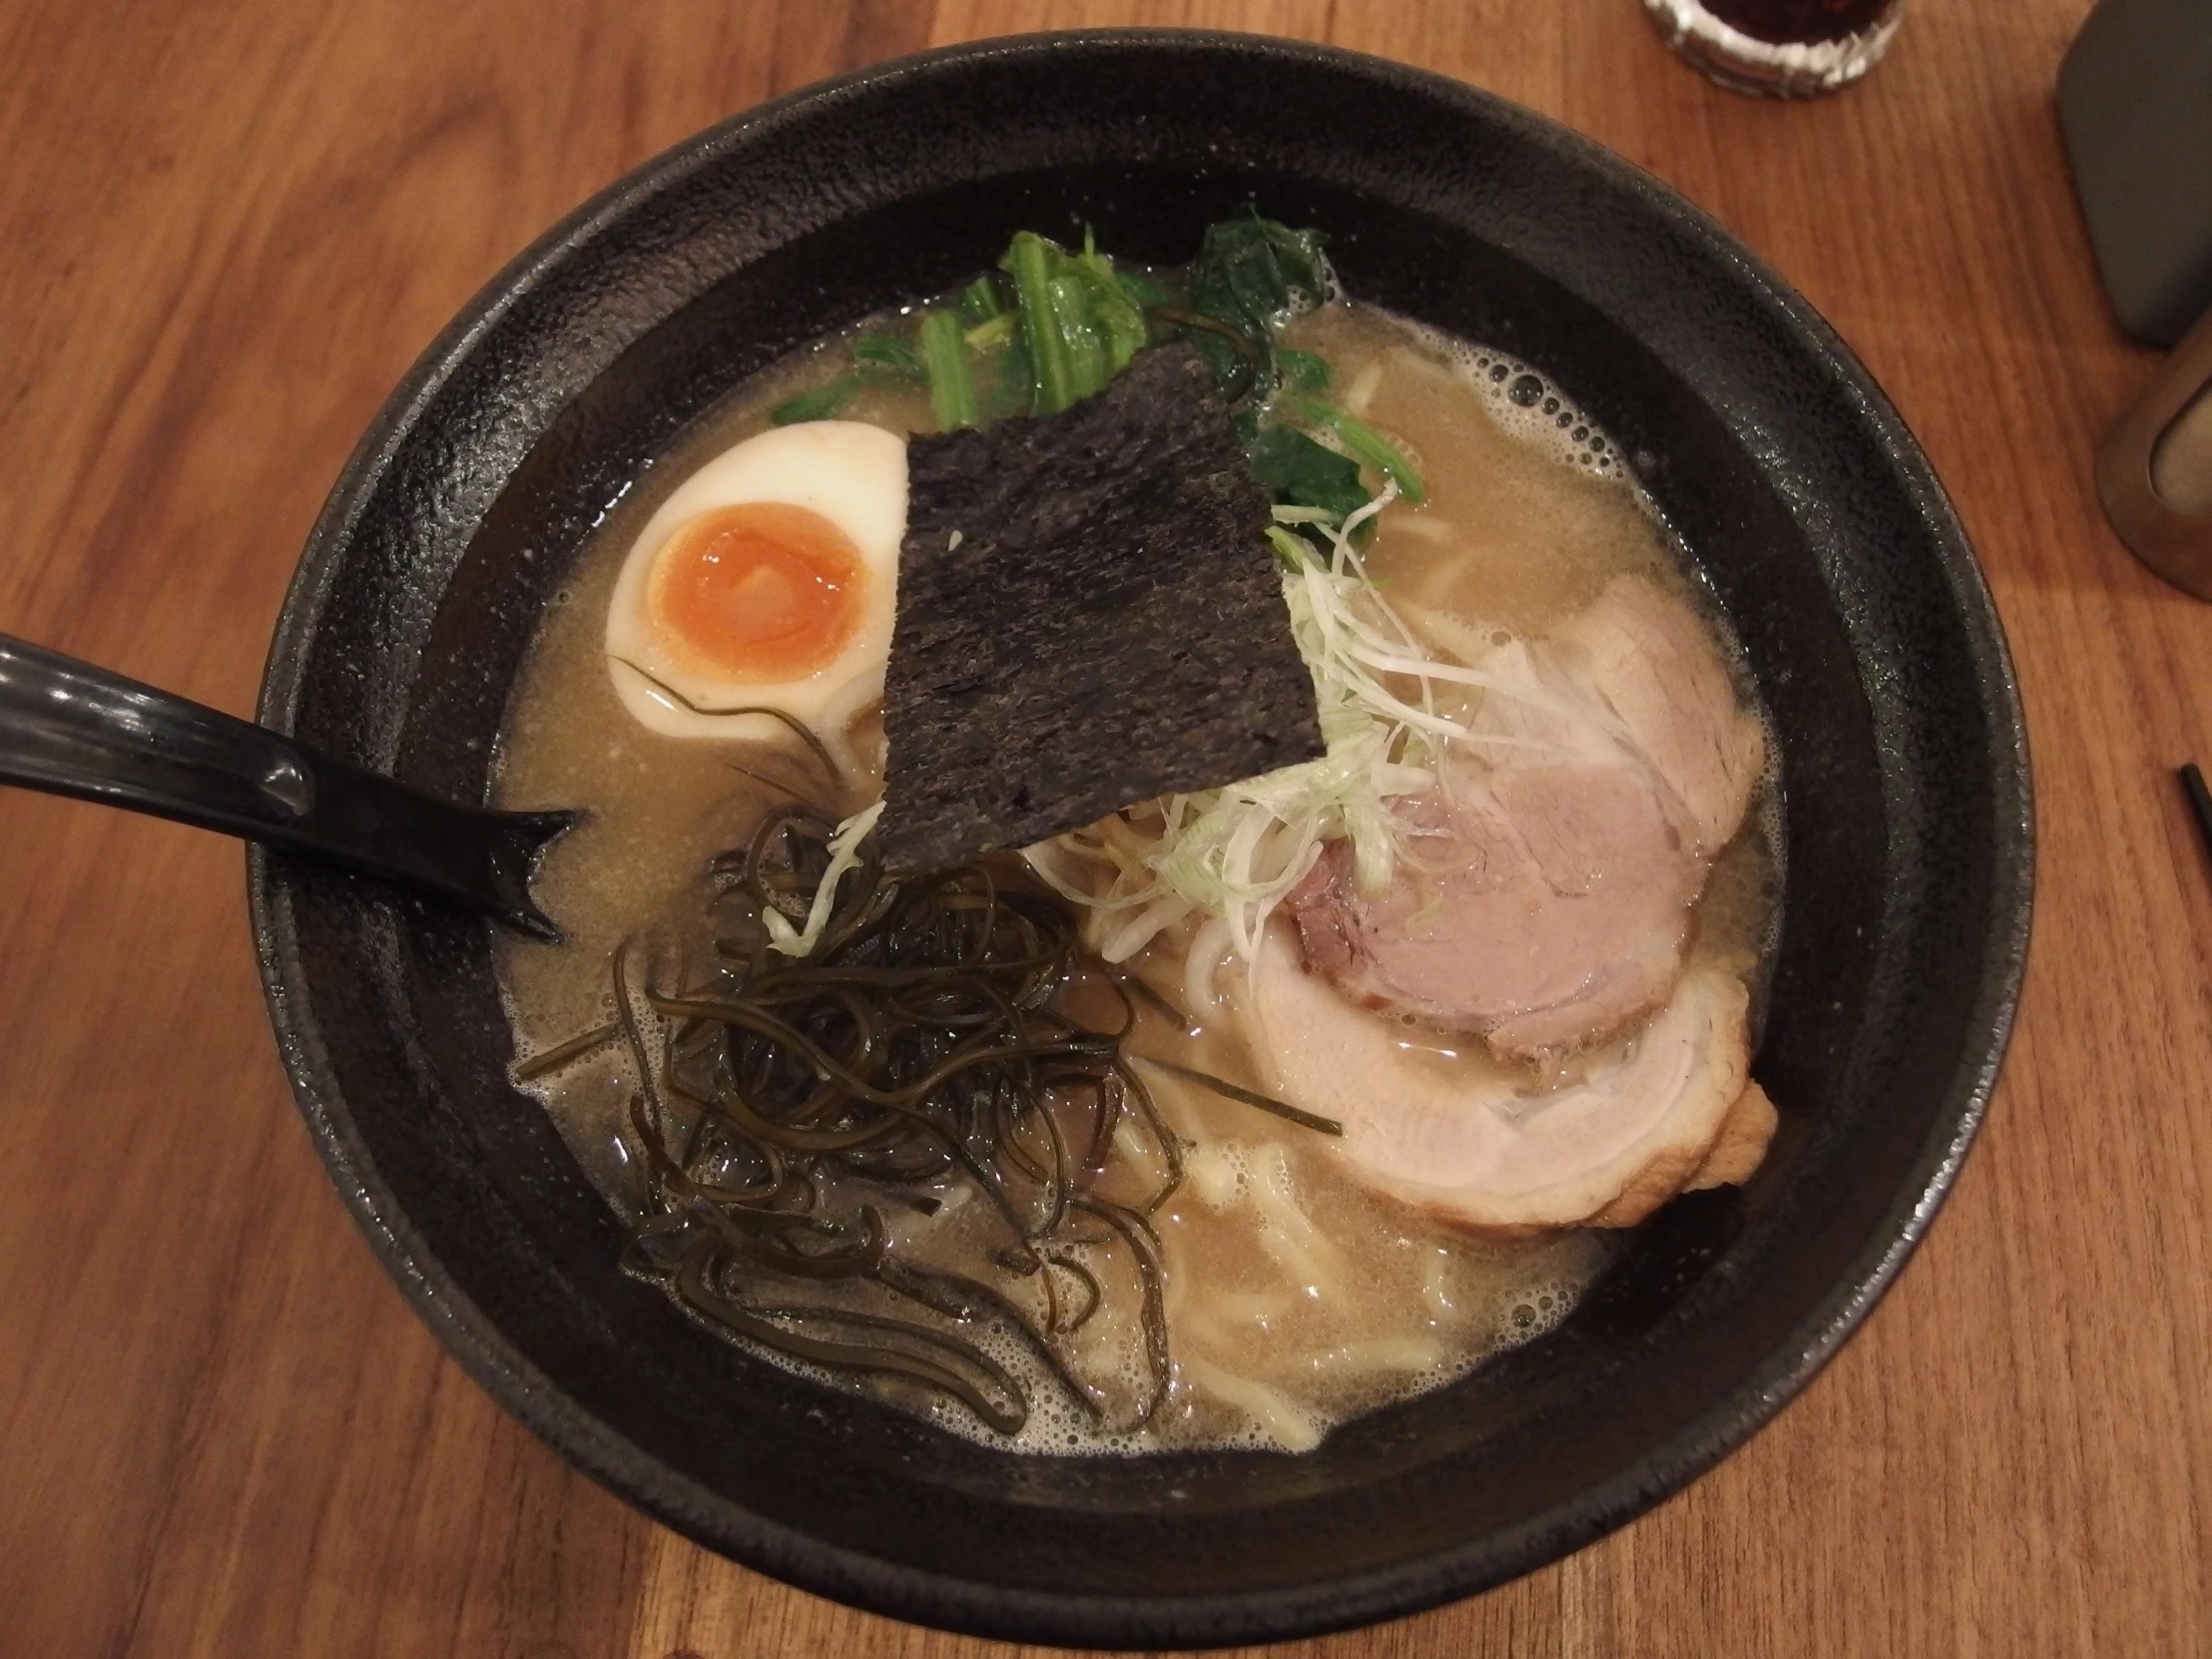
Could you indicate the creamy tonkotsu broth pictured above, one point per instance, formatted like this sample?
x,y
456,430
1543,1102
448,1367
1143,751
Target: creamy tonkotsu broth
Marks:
x,y
1297,1293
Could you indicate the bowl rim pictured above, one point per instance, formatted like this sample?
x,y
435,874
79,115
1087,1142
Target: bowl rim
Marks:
x,y
992,1610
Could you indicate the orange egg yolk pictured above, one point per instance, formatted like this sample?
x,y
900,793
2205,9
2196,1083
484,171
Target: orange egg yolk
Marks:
x,y
760,592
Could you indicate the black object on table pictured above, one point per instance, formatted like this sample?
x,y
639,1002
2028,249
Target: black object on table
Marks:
x,y
2137,116
2200,801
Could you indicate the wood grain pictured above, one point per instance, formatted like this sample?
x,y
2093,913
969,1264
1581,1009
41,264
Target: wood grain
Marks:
x,y
231,227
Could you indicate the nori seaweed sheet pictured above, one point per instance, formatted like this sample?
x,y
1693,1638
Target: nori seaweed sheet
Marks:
x,y
1089,616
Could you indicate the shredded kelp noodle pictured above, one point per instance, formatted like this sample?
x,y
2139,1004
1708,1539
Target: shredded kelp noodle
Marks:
x,y
782,1102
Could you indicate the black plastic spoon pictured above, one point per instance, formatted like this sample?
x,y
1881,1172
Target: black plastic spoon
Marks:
x,y
68,728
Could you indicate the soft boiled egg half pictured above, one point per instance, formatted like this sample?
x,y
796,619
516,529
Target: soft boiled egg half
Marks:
x,y
767,580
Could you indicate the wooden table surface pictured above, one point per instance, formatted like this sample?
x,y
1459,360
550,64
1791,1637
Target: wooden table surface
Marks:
x,y
229,229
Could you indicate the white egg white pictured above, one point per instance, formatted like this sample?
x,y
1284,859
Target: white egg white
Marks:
x,y
855,476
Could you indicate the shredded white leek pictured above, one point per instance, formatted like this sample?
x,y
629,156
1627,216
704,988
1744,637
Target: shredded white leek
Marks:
x,y
844,856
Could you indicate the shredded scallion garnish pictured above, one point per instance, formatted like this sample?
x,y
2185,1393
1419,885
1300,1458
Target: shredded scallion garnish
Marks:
x,y
845,857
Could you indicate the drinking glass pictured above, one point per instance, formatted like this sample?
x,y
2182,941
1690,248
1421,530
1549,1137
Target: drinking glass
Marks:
x,y
1779,48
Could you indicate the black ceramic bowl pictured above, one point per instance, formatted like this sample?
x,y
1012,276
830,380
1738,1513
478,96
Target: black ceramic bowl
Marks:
x,y
1808,506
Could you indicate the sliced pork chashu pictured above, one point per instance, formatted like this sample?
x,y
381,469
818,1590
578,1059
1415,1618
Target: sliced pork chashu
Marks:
x,y
1547,897
1647,659
1553,907
1669,1109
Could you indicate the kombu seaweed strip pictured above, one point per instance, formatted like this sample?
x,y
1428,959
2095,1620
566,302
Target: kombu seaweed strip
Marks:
x,y
1090,1283
783,717
779,1100
694,1291
1249,1097
1138,984
1144,1245
560,1054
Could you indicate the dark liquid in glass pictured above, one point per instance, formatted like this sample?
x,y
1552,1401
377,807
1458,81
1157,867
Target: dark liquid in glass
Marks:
x,y
1787,21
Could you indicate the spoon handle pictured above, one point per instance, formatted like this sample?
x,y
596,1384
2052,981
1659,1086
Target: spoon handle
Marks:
x,y
68,728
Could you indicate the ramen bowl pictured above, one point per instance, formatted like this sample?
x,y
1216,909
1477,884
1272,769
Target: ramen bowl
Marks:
x,y
1811,514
